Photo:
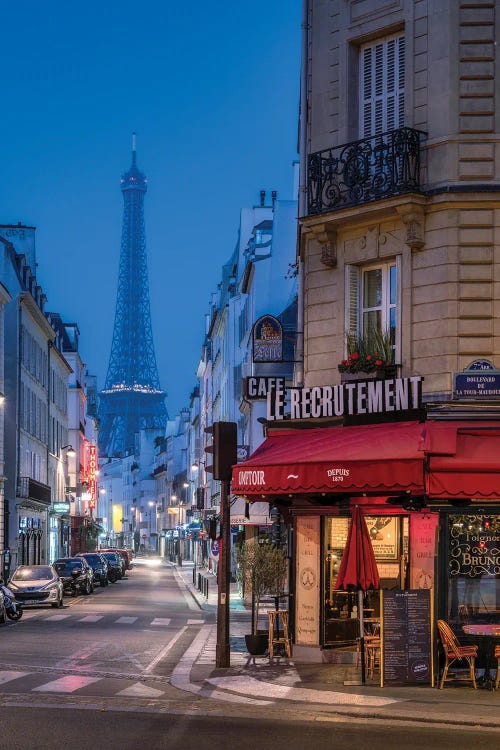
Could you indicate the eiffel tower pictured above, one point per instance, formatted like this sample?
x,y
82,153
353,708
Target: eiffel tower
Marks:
x,y
132,398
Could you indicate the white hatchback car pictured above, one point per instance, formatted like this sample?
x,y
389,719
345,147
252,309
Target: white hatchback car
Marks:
x,y
33,585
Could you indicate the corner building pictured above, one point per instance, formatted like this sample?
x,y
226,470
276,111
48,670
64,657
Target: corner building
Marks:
x,y
399,234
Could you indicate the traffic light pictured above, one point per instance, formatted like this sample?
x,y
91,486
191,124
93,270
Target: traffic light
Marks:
x,y
223,449
200,498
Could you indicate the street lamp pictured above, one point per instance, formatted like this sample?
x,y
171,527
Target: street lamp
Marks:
x,y
70,451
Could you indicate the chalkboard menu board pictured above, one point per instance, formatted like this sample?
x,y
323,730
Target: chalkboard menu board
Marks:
x,y
406,637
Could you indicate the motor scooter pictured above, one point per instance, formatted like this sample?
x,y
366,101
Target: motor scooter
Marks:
x,y
13,609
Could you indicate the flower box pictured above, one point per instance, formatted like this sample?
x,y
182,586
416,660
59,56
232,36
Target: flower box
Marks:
x,y
349,377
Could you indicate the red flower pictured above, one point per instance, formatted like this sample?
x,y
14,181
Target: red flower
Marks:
x,y
355,356
368,357
378,363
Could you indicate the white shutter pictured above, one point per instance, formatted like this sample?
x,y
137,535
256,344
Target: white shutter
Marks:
x,y
352,277
381,91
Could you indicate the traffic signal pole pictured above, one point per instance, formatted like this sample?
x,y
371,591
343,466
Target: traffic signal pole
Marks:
x,y
225,456
222,650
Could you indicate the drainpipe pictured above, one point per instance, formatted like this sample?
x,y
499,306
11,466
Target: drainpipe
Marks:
x,y
302,197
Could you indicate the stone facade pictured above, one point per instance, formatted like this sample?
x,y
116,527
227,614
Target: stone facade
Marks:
x,y
444,235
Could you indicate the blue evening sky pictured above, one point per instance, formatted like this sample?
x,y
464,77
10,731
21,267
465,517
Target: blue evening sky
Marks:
x,y
212,90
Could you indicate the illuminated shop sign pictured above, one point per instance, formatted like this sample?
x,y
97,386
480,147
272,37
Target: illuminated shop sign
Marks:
x,y
363,401
267,339
92,476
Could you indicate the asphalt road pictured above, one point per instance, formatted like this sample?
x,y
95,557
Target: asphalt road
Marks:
x,y
111,670
123,639
23,728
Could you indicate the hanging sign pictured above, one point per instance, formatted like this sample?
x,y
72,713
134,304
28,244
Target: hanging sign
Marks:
x,y
92,476
267,339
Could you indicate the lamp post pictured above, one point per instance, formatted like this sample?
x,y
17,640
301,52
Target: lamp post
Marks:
x,y
151,503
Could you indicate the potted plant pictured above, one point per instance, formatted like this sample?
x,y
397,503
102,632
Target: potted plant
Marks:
x,y
368,355
262,568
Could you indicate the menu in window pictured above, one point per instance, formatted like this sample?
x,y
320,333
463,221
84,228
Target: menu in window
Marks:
x,y
406,637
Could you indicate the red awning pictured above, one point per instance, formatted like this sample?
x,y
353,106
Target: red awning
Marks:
x,y
377,459
469,464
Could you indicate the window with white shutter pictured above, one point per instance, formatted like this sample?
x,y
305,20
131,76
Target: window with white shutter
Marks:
x,y
372,301
382,80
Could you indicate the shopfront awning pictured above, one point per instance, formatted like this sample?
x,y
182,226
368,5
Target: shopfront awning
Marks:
x,y
376,459
464,460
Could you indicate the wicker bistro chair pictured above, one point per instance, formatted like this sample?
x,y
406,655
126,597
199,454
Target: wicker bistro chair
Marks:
x,y
497,656
453,651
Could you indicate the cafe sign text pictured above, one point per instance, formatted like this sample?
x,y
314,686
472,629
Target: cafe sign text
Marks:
x,y
391,398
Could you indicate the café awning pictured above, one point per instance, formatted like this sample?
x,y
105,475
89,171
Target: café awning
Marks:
x,y
377,459
464,460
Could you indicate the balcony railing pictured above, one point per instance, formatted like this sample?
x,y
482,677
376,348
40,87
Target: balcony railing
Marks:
x,y
362,171
30,489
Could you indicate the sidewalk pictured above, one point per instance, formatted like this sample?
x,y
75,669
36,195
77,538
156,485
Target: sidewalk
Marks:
x,y
320,687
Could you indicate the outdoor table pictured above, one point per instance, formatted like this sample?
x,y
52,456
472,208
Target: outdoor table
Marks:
x,y
489,632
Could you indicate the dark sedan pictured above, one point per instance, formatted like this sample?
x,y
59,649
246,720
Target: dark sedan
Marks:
x,y
76,575
99,565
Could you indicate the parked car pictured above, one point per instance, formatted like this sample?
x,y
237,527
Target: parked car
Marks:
x,y
125,554
116,568
99,566
76,575
33,585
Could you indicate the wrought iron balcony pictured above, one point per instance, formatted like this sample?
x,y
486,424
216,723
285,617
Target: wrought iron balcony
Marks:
x,y
30,489
362,171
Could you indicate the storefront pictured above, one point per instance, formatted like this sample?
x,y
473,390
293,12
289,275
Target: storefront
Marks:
x,y
429,490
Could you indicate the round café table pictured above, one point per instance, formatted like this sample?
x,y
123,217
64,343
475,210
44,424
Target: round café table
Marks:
x,y
488,632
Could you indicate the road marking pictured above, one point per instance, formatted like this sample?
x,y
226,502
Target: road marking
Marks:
x,y
67,684
9,675
181,673
251,686
152,664
56,618
91,618
141,691
125,620
195,622
161,621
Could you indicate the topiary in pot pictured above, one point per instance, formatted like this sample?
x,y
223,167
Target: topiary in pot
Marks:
x,y
262,568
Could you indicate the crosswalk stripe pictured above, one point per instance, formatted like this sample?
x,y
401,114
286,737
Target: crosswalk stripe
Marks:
x,y
9,675
195,622
126,620
56,618
67,684
161,621
91,618
140,691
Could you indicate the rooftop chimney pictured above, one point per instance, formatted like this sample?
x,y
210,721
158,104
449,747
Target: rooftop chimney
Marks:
x,y
262,197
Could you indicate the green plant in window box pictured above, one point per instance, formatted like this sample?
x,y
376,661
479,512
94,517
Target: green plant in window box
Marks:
x,y
372,351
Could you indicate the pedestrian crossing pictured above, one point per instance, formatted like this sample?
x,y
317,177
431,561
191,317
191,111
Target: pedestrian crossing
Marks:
x,y
109,620
17,681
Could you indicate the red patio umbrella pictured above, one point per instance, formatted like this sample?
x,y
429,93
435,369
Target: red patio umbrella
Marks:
x,y
358,569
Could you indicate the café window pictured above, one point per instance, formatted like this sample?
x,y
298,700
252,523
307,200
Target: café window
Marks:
x,y
473,569
389,537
